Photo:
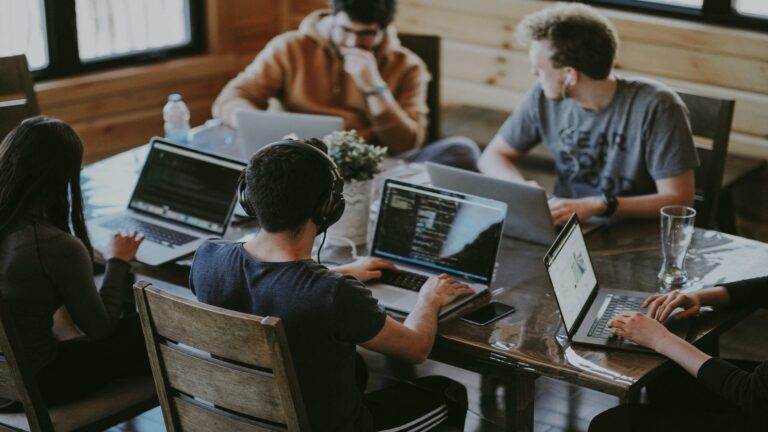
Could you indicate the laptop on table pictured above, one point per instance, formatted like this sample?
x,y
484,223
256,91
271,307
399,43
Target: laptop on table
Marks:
x,y
182,197
426,232
585,307
528,215
256,129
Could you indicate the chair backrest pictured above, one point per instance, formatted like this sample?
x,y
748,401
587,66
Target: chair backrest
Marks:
x,y
17,380
17,93
711,120
217,369
428,48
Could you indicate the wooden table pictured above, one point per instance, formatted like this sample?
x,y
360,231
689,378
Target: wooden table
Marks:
x,y
531,342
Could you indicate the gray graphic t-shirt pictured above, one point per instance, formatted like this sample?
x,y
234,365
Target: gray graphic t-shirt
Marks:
x,y
643,135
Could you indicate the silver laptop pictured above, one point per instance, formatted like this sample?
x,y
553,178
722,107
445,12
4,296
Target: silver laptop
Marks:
x,y
427,231
584,306
255,129
182,197
528,216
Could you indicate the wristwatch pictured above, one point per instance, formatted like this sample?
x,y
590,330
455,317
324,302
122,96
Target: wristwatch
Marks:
x,y
611,203
379,90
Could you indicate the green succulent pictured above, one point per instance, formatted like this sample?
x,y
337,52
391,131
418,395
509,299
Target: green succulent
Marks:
x,y
356,159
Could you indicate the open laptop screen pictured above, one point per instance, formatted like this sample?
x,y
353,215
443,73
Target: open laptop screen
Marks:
x,y
438,229
571,272
187,187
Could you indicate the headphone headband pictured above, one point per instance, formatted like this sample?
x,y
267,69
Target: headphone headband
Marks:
x,y
330,208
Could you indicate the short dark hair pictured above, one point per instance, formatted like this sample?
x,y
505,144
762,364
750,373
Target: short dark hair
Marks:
x,y
381,12
580,37
286,185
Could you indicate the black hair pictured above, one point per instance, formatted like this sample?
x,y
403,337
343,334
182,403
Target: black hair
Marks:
x,y
286,186
381,12
40,177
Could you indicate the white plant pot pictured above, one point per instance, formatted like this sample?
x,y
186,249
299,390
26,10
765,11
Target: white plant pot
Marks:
x,y
353,225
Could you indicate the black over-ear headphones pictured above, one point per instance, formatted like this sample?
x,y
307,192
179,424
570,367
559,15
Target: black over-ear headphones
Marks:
x,y
329,209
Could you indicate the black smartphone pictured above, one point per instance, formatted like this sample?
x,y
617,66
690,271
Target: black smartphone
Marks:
x,y
489,313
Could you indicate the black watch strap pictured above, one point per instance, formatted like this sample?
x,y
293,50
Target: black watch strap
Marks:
x,y
611,202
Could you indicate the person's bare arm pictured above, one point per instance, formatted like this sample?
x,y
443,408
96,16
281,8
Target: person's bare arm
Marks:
x,y
677,190
499,160
413,339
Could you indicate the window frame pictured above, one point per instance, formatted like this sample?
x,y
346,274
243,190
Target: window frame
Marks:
x,y
721,12
64,57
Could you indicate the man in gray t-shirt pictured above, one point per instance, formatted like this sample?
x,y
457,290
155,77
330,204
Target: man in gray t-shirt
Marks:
x,y
621,146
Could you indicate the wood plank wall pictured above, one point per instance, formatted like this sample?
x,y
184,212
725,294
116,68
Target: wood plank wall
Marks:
x,y
484,66
122,108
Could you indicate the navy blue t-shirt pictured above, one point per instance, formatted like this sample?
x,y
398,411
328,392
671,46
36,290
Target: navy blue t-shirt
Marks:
x,y
324,313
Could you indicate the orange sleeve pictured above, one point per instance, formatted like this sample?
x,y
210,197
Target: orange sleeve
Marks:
x,y
404,126
252,88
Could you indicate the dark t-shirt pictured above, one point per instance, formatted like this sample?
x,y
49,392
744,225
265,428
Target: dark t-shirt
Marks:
x,y
643,135
325,316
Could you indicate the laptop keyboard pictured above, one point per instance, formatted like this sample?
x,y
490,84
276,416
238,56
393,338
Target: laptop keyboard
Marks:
x,y
403,279
154,233
617,304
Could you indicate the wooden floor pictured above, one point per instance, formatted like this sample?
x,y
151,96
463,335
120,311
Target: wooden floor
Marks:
x,y
558,406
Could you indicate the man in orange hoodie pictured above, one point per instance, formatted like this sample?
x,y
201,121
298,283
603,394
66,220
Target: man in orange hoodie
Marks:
x,y
348,62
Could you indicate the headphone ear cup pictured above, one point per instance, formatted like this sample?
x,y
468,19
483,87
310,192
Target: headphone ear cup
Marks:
x,y
242,198
332,209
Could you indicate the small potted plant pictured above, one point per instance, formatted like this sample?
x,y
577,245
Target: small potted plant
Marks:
x,y
358,162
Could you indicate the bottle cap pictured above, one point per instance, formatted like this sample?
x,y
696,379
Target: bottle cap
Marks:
x,y
175,97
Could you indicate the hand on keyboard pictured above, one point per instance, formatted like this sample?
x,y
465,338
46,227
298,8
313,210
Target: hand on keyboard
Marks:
x,y
640,329
443,289
365,269
124,245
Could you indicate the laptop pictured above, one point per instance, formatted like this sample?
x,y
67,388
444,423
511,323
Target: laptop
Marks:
x,y
259,128
182,197
585,307
426,232
528,215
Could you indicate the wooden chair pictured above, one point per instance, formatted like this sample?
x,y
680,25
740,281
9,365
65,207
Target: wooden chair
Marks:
x,y
17,93
216,369
428,48
115,404
711,120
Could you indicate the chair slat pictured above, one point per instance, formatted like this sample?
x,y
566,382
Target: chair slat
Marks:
x,y
218,332
235,388
7,382
195,417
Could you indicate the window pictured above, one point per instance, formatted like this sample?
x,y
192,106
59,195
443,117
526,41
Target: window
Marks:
x,y
750,14
106,33
757,8
22,31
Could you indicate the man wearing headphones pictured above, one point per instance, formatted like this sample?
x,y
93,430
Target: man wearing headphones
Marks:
x,y
621,146
326,313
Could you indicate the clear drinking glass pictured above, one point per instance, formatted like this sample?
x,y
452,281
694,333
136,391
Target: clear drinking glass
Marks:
x,y
676,235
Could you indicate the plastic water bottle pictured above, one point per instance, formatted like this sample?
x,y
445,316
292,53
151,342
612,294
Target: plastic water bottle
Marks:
x,y
176,119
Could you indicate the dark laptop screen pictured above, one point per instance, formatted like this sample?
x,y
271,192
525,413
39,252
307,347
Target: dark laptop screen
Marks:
x,y
188,187
442,230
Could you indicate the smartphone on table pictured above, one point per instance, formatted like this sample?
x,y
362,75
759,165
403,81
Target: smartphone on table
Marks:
x,y
487,314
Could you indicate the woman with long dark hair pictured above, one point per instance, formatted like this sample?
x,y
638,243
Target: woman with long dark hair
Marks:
x,y
46,264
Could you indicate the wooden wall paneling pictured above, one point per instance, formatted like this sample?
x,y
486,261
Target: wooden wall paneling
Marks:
x,y
509,70
631,26
484,65
691,65
109,135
